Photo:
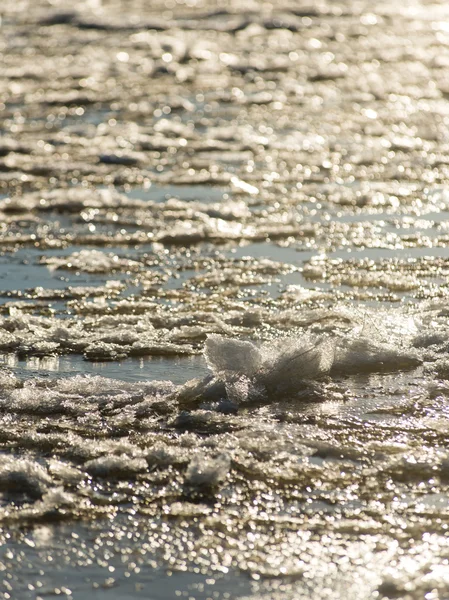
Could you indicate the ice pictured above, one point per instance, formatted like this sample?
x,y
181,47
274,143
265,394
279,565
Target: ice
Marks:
x,y
70,200
122,466
206,472
230,356
367,355
65,472
433,338
23,476
102,351
286,365
289,359
7,380
163,455
92,261
441,367
309,138
120,337
153,348
34,401
332,341
57,498
293,360
84,398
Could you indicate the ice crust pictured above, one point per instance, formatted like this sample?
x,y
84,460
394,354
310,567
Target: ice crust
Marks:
x,y
326,344
168,147
99,431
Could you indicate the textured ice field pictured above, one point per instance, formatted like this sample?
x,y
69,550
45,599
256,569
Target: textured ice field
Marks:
x,y
224,273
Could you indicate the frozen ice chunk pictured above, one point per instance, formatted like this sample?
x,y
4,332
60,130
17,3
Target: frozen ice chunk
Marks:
x,y
7,379
441,368
164,455
196,391
66,473
32,400
298,359
277,367
225,355
239,390
121,337
432,338
367,355
206,471
56,497
119,467
103,351
23,476
8,341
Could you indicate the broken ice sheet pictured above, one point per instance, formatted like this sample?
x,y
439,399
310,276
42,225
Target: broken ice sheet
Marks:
x,y
92,261
275,133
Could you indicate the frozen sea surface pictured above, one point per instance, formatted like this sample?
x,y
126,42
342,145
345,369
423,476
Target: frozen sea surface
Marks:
x,y
224,276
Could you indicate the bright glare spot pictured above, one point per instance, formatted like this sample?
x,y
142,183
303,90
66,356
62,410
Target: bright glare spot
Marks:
x,y
370,113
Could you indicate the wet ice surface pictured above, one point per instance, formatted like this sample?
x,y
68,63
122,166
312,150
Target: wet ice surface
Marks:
x,y
223,300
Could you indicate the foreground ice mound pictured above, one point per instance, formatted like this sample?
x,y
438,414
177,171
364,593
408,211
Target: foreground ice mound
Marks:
x,y
289,367
302,358
229,356
307,357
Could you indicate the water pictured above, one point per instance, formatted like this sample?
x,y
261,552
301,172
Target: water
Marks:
x,y
223,300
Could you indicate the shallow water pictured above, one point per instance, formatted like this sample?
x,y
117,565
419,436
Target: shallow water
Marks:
x,y
223,300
